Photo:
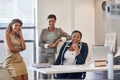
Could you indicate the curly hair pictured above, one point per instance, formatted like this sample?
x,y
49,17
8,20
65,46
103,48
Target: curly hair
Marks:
x,y
51,16
77,32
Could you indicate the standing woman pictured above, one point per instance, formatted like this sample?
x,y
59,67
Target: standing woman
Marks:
x,y
14,45
49,39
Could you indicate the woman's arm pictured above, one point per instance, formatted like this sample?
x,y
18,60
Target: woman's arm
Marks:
x,y
64,34
81,57
23,46
10,47
62,37
41,41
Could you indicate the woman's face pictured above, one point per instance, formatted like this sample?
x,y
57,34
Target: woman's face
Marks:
x,y
51,22
76,38
16,27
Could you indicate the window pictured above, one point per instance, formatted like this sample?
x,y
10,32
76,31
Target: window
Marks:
x,y
24,10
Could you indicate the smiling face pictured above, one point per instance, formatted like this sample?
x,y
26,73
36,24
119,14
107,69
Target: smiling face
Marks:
x,y
51,22
76,38
16,27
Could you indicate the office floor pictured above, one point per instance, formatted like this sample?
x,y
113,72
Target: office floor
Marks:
x,y
96,75
101,75
4,75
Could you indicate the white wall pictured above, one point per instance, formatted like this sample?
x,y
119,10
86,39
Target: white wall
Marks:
x,y
100,23
62,10
71,14
77,14
84,20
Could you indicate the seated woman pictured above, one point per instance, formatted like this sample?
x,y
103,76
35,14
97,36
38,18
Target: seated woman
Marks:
x,y
73,52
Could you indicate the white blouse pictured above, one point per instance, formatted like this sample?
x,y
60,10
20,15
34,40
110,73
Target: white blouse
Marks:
x,y
69,57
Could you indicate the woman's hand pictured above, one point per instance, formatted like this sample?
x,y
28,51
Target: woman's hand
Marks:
x,y
55,43
52,45
15,50
76,48
20,33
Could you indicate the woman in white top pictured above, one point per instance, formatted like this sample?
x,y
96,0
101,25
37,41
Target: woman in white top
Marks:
x,y
72,53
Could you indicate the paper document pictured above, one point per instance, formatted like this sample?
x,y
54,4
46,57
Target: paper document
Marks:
x,y
41,65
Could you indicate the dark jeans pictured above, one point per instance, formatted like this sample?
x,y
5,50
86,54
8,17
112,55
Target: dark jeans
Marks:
x,y
71,75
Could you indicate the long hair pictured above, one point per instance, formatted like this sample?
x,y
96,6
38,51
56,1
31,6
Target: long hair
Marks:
x,y
9,27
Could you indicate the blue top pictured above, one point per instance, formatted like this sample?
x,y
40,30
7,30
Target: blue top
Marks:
x,y
80,58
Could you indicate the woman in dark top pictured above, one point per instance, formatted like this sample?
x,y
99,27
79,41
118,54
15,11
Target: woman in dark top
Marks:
x,y
72,53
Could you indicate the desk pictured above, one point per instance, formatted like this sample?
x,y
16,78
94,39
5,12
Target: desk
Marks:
x,y
71,68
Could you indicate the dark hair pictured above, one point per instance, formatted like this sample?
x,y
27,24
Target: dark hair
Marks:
x,y
77,32
104,3
51,16
9,28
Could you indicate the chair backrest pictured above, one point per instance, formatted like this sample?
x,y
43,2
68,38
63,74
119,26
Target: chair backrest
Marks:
x,y
58,48
110,40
